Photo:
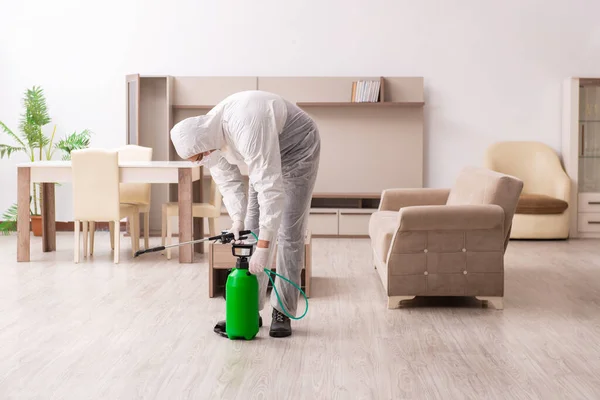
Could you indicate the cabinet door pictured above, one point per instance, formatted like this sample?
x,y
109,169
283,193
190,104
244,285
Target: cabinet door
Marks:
x,y
354,222
589,222
133,108
323,221
589,136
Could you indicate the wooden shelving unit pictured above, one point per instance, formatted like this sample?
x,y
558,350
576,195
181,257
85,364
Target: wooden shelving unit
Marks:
x,y
347,190
357,104
191,107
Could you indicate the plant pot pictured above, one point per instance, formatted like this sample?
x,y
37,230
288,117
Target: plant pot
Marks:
x,y
36,225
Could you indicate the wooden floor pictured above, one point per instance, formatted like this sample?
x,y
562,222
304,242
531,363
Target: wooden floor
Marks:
x,y
143,330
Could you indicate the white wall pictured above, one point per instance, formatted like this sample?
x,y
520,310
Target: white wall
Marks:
x,y
492,70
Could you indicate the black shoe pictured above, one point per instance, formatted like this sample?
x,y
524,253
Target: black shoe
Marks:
x,y
280,325
220,327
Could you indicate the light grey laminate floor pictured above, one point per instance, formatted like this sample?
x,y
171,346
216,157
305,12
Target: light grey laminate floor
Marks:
x,y
143,330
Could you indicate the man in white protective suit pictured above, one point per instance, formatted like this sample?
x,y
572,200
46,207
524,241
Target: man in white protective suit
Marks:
x,y
280,144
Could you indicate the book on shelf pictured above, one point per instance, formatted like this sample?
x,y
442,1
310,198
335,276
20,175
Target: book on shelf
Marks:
x,y
366,91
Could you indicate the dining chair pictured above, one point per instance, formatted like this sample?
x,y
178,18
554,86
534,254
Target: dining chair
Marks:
x,y
210,210
96,198
138,194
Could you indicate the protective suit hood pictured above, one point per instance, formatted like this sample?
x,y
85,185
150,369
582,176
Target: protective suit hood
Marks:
x,y
196,135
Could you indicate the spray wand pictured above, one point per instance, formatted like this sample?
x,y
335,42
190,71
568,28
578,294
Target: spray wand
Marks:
x,y
223,237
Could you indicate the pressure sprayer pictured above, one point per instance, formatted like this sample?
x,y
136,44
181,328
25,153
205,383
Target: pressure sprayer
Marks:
x,y
241,288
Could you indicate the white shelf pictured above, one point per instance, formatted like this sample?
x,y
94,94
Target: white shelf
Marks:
x,y
192,107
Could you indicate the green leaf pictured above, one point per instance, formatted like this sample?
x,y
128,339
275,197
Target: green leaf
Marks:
x,y
9,220
36,110
11,134
6,150
35,117
74,141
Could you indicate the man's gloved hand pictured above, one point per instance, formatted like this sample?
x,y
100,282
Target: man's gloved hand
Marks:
x,y
235,229
258,261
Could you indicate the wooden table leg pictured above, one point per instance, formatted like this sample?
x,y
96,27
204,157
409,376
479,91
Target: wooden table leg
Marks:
x,y
48,218
23,214
185,192
198,222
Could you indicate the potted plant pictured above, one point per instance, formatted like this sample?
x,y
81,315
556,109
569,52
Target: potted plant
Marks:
x,y
32,141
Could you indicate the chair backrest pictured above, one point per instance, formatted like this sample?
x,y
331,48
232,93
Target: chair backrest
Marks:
x,y
216,199
135,193
95,182
535,163
476,185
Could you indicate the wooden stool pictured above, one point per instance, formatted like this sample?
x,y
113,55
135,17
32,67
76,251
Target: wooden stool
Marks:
x,y
220,260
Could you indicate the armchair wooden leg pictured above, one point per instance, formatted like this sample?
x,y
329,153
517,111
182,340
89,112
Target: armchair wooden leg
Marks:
x,y
85,238
169,236
111,229
92,234
117,242
138,232
77,243
497,302
394,301
135,233
146,230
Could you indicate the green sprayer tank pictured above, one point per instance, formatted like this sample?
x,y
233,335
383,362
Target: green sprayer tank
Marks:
x,y
241,297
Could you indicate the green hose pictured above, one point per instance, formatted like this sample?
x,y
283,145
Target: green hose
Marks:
x,y
268,272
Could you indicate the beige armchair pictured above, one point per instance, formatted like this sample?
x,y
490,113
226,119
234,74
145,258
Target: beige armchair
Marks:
x,y
441,242
542,211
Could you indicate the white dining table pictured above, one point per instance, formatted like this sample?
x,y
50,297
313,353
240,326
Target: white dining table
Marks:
x,y
47,173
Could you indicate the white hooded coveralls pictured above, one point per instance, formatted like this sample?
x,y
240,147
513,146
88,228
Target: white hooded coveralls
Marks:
x,y
280,144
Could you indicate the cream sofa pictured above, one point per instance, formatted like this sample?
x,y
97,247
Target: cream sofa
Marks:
x,y
445,242
542,211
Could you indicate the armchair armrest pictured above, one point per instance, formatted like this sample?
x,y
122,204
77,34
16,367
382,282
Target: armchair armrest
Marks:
x,y
453,217
395,199
562,187
551,180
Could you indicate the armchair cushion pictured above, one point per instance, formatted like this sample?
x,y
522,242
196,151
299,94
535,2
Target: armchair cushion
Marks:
x,y
530,203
